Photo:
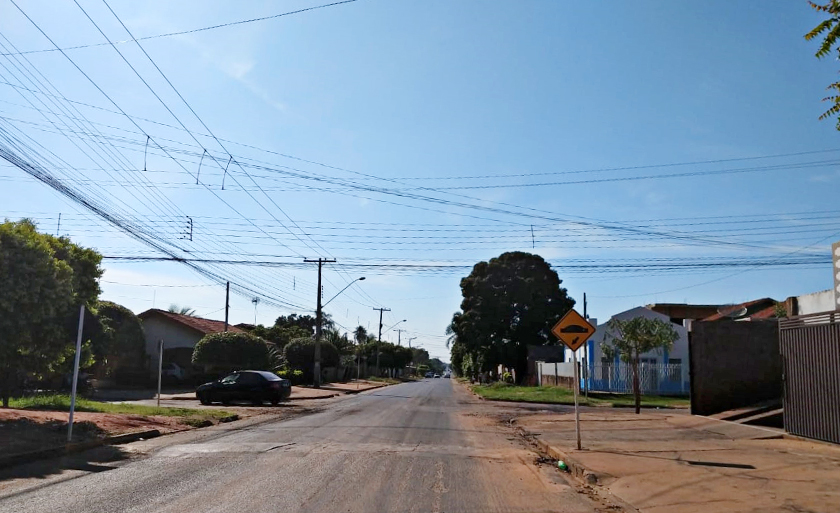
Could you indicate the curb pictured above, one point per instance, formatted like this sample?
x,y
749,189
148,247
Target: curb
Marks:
x,y
51,452
310,398
576,469
572,405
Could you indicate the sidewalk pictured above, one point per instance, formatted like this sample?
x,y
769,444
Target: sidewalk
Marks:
x,y
354,386
672,462
298,393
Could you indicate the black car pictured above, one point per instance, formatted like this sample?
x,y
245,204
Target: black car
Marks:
x,y
248,385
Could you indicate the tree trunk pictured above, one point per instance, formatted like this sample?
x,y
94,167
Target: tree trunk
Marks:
x,y
5,381
637,395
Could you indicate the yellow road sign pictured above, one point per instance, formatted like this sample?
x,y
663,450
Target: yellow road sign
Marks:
x,y
573,330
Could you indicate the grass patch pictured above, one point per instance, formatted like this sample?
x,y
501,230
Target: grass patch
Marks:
x,y
560,395
58,402
390,381
196,423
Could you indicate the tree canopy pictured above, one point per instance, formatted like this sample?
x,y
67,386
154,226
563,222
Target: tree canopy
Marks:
x,y
508,303
391,356
829,30
46,280
632,337
118,341
232,350
300,355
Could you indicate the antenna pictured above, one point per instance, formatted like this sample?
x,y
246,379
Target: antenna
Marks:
x,y
732,311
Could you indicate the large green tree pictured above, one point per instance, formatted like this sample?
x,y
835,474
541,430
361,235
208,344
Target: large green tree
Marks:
x,y
118,340
509,303
45,280
632,337
829,30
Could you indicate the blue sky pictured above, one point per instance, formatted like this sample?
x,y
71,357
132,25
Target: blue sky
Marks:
x,y
334,115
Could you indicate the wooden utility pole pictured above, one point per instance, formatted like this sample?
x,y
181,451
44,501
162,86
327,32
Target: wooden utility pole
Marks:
x,y
317,369
585,355
227,305
379,340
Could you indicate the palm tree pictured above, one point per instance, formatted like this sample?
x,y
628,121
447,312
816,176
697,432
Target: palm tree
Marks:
x,y
450,330
360,335
181,310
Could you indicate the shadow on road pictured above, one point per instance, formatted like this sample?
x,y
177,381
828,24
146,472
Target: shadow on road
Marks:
x,y
88,461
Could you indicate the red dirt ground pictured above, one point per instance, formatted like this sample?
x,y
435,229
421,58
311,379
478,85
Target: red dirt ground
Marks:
x,y
29,430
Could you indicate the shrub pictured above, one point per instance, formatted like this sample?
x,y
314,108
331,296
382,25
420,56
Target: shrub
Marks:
x,y
300,354
230,351
295,376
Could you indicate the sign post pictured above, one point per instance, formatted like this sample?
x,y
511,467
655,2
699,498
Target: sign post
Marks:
x,y
75,374
160,368
573,330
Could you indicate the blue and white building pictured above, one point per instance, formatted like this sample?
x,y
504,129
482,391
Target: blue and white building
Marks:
x,y
661,372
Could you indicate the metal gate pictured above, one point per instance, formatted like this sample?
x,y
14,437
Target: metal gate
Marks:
x,y
810,347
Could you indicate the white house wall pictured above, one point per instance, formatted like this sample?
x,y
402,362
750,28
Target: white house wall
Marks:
x,y
172,333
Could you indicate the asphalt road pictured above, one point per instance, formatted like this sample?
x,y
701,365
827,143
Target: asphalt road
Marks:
x,y
417,447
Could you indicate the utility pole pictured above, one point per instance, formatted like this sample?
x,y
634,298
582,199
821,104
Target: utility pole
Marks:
x,y
409,341
317,370
379,340
585,355
399,337
227,305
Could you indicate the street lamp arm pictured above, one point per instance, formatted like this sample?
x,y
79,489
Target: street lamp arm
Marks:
x,y
392,327
342,290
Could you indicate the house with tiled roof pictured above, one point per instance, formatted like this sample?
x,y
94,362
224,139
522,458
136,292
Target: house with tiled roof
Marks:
x,y
764,308
180,333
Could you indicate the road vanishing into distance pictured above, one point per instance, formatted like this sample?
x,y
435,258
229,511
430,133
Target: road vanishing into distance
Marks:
x,y
425,446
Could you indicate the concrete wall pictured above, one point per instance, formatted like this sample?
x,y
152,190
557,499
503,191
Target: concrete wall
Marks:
x,y
556,374
818,302
734,364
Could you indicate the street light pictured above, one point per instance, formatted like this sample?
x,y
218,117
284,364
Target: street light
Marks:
x,y
394,326
318,322
342,290
379,342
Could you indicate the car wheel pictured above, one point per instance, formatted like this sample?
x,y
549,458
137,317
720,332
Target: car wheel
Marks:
x,y
226,401
275,401
256,401
203,399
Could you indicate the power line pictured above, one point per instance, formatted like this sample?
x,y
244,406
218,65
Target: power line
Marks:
x,y
183,32
195,114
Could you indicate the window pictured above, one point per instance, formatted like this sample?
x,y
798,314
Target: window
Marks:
x,y
250,378
605,367
227,380
674,369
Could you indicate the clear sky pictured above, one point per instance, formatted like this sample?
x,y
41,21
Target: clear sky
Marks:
x,y
361,131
